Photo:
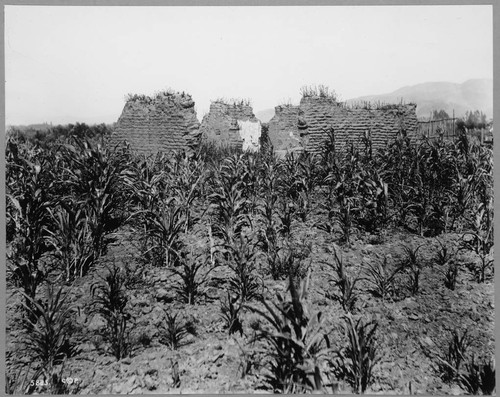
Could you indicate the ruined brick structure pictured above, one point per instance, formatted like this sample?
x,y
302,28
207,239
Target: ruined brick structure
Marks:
x,y
284,130
165,122
295,128
168,122
231,124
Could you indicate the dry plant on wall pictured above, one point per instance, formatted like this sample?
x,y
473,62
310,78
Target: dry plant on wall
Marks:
x,y
321,91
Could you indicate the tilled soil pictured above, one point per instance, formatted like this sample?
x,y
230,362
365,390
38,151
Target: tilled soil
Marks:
x,y
412,328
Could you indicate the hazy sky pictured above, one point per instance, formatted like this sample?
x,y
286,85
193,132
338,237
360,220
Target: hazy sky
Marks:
x,y
66,64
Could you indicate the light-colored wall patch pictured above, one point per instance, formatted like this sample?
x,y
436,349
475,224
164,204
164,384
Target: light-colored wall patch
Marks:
x,y
250,133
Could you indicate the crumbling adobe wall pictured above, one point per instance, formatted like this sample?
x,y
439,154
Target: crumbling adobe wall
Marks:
x,y
350,125
231,124
165,122
312,120
284,132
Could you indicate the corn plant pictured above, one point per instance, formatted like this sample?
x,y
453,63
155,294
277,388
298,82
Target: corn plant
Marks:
x,y
345,220
327,205
97,178
49,338
249,359
268,209
186,186
164,227
451,275
481,241
450,360
28,193
347,294
230,209
251,181
447,265
148,186
277,261
295,342
110,302
174,330
72,241
329,155
478,377
230,311
443,255
463,196
355,363
381,278
192,274
374,196
346,194
306,180
413,266
286,214
243,281
395,161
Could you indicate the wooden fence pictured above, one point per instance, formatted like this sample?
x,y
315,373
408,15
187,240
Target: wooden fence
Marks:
x,y
433,129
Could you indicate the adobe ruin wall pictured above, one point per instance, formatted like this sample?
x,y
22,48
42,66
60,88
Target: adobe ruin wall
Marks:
x,y
165,122
307,126
168,122
231,124
283,131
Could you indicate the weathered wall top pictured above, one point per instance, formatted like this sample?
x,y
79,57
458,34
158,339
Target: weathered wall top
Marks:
x,y
164,122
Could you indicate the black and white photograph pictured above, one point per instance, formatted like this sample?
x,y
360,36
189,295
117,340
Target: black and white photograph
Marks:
x,y
249,199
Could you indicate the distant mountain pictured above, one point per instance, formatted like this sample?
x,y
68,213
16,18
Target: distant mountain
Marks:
x,y
476,94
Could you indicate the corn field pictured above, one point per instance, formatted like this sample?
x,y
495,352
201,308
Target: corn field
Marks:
x,y
218,271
